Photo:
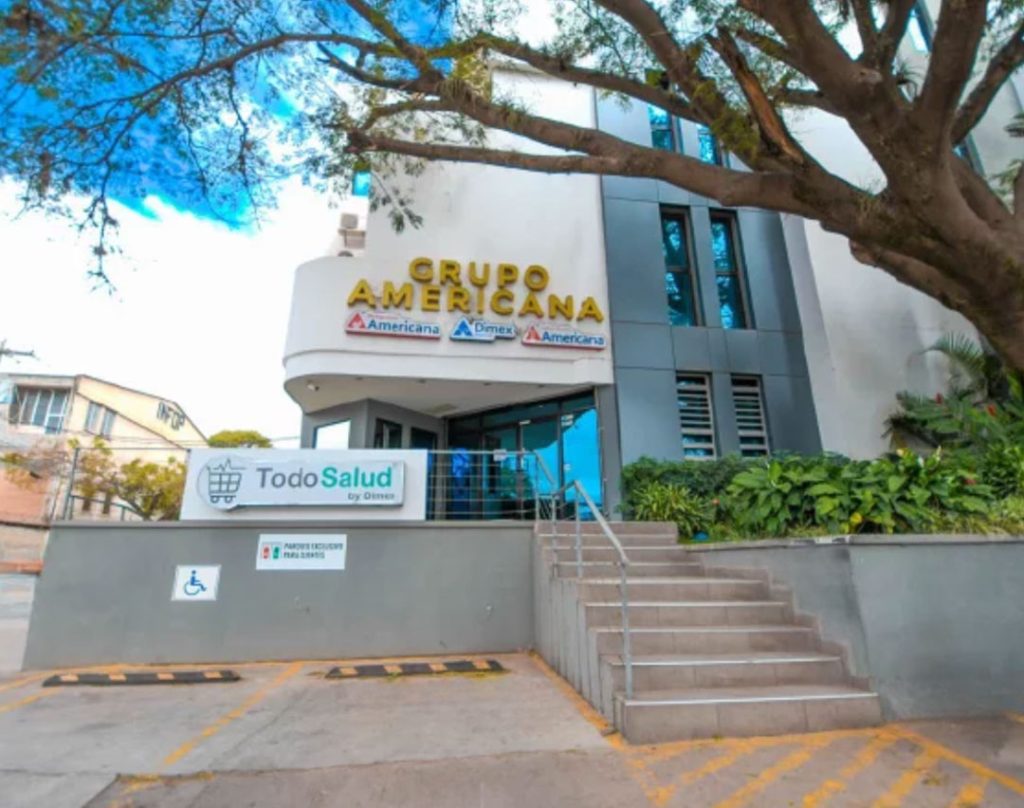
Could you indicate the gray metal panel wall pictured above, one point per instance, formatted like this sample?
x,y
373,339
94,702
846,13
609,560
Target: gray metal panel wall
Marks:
x,y
434,588
648,351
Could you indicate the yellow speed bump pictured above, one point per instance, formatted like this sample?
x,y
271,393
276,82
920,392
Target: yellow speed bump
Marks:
x,y
415,669
141,678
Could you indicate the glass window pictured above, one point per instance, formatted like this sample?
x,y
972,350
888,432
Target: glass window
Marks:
x,y
696,421
107,427
332,436
92,415
361,182
662,128
55,416
387,435
680,284
709,150
918,30
728,275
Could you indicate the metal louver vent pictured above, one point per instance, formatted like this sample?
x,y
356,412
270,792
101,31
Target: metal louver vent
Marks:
x,y
750,419
696,420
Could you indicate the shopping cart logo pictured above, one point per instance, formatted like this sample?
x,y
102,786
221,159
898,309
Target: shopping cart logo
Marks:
x,y
220,482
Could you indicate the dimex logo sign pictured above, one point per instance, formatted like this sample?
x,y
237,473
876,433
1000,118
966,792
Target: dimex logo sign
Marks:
x,y
467,330
231,482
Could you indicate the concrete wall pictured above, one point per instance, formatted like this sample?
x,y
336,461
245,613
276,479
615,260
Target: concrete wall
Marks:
x,y
648,351
934,622
104,595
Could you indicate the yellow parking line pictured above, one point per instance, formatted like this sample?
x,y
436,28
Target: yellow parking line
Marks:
x,y
227,718
1016,717
14,705
864,758
592,716
792,761
24,680
971,795
906,782
973,766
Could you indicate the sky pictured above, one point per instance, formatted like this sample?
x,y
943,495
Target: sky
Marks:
x,y
199,313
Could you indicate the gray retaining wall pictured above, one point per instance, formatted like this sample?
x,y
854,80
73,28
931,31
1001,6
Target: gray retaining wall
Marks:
x,y
435,588
936,623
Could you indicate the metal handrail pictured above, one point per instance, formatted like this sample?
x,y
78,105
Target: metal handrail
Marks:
x,y
623,564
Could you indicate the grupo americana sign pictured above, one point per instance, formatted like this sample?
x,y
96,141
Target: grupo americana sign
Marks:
x,y
305,483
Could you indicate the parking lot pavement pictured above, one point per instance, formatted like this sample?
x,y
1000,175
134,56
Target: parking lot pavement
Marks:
x,y
284,735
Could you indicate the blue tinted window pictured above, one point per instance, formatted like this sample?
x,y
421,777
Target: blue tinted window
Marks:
x,y
709,151
662,132
728,279
680,287
361,183
917,29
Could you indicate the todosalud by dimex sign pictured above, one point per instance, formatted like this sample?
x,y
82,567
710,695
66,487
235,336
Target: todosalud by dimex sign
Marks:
x,y
232,481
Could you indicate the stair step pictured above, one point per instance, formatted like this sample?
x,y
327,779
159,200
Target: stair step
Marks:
x,y
634,554
663,715
568,528
640,569
689,613
625,539
658,589
677,671
707,639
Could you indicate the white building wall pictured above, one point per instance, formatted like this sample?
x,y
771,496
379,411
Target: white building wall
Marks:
x,y
864,331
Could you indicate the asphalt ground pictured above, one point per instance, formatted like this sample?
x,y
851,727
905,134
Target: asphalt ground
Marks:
x,y
284,735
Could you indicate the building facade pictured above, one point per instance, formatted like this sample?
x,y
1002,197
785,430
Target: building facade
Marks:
x,y
41,414
596,321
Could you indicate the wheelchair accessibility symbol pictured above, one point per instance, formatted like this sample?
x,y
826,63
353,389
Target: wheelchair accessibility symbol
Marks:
x,y
196,582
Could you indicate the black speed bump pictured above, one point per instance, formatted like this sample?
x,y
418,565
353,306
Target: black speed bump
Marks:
x,y
415,669
141,678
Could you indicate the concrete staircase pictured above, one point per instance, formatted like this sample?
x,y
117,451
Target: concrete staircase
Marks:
x,y
714,654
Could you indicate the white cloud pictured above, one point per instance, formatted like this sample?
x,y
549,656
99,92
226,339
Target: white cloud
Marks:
x,y
199,314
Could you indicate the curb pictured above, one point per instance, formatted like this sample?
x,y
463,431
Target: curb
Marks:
x,y
141,678
415,669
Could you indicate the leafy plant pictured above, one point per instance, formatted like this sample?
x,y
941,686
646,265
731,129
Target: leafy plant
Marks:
x,y
901,494
240,438
1002,467
703,478
672,502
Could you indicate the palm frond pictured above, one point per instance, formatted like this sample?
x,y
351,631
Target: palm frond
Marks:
x,y
967,360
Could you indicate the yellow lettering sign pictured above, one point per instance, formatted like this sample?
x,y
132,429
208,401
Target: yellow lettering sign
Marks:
x,y
431,298
536,278
421,269
590,310
558,307
483,278
393,298
531,306
505,308
458,298
507,274
362,293
450,272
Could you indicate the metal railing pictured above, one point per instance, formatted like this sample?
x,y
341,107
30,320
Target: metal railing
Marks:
x,y
581,495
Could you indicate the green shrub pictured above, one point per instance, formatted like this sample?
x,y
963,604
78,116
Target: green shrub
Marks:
x,y
702,478
1002,468
900,494
672,502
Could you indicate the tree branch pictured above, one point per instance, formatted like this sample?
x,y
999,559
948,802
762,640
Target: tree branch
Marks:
x,y
559,68
865,19
1006,61
892,32
955,48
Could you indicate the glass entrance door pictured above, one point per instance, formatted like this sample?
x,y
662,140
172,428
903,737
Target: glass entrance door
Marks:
x,y
563,433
